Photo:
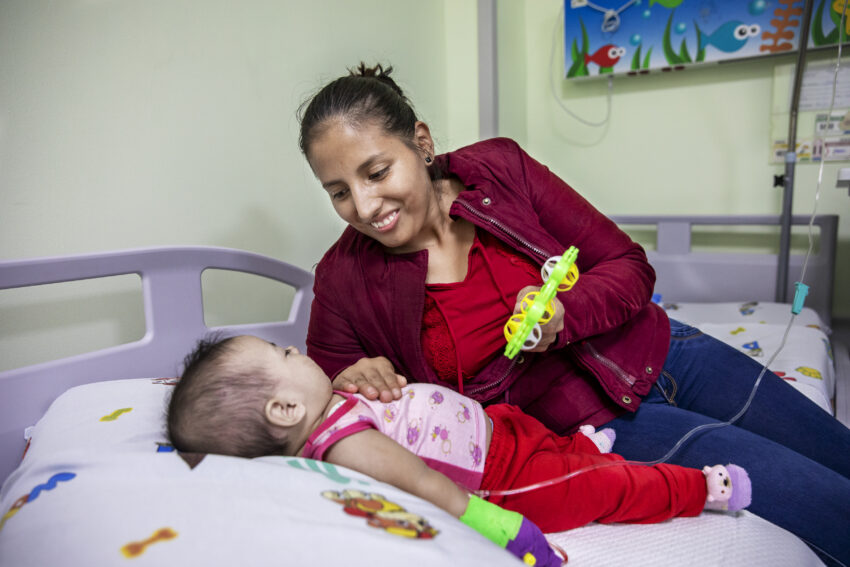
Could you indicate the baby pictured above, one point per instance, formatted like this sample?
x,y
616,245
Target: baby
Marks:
x,y
247,397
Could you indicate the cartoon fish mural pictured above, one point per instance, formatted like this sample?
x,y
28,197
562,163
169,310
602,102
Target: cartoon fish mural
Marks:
x,y
729,37
666,3
606,56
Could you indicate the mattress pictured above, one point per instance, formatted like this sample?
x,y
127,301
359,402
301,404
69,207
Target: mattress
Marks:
x,y
100,485
757,329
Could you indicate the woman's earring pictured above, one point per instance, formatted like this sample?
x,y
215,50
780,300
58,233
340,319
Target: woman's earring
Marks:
x,y
427,159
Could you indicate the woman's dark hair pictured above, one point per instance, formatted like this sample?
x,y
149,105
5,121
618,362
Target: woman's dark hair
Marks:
x,y
365,94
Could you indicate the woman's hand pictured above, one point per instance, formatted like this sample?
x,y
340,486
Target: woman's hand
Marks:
x,y
551,329
372,377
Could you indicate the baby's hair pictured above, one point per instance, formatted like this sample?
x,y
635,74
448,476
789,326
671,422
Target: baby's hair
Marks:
x,y
219,406
365,94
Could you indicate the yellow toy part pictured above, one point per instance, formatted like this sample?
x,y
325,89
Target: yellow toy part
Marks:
x,y
548,310
522,330
513,326
569,279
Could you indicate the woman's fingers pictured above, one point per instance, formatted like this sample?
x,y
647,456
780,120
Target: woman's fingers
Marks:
x,y
373,377
551,329
521,295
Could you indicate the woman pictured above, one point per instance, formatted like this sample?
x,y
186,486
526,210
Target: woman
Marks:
x,y
438,251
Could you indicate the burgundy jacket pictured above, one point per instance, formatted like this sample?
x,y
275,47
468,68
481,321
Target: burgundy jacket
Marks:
x,y
369,303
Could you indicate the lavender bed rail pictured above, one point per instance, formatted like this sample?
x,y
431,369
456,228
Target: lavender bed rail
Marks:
x,y
174,321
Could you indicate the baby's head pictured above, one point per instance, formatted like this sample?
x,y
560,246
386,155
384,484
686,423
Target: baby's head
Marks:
x,y
246,397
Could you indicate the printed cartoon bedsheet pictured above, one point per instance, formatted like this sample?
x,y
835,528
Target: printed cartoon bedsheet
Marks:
x,y
805,360
99,484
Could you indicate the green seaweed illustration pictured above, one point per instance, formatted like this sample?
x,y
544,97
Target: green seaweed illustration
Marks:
x,y
818,36
636,63
579,67
683,56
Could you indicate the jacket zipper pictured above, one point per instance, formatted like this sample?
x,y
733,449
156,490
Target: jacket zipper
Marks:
x,y
517,238
540,253
610,364
493,384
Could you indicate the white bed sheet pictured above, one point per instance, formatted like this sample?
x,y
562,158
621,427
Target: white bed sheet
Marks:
x,y
98,492
127,489
707,540
757,329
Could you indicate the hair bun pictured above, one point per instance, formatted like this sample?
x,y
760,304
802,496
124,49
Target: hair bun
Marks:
x,y
377,72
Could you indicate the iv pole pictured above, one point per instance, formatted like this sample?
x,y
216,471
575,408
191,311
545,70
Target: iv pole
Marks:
x,y
791,160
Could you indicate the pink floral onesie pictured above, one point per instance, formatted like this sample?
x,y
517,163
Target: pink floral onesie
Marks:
x,y
445,429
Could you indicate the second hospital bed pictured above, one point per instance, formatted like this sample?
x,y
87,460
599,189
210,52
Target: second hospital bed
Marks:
x,y
99,484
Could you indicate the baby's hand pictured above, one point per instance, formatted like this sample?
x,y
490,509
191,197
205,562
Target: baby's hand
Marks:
x,y
373,377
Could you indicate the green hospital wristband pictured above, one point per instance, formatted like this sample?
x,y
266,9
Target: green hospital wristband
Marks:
x,y
496,524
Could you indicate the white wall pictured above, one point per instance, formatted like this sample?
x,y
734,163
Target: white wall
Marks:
x,y
128,123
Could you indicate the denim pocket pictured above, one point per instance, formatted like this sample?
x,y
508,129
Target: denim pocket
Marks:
x,y
667,387
679,330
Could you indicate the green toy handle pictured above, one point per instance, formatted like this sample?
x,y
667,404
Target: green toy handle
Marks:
x,y
531,316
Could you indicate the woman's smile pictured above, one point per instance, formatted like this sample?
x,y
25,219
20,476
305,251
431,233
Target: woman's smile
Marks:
x,y
378,183
386,223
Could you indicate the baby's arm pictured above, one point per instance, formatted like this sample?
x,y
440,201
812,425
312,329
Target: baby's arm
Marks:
x,y
378,456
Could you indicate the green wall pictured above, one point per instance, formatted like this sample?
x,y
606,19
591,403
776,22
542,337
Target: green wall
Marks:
x,y
132,123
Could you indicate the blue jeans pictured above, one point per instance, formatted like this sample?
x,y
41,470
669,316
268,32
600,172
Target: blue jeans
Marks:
x,y
797,455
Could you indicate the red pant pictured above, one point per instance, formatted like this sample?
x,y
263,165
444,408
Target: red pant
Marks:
x,y
523,452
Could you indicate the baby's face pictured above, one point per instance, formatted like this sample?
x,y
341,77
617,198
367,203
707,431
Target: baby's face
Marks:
x,y
286,366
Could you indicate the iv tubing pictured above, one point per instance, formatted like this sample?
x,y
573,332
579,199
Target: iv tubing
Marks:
x,y
743,410
781,291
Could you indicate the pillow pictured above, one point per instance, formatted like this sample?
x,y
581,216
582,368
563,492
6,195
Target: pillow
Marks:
x,y
100,484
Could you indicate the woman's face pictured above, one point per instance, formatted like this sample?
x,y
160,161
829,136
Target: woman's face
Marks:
x,y
376,182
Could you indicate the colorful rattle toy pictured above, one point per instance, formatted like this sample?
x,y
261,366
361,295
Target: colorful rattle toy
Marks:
x,y
522,331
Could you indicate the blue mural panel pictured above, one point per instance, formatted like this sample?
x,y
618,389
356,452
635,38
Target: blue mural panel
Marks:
x,y
633,37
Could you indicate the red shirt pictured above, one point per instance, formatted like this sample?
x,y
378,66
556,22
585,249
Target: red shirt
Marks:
x,y
474,310
369,303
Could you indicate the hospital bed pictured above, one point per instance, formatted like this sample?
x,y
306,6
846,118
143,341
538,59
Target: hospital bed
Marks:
x,y
99,483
